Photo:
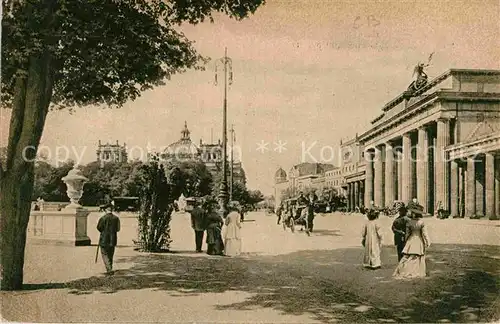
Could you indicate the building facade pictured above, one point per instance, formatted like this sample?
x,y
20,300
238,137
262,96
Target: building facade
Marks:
x,y
301,177
209,154
353,173
440,145
112,152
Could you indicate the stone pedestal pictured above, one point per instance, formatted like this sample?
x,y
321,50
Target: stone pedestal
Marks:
x,y
65,227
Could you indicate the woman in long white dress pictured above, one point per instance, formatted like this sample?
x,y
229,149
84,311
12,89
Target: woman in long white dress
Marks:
x,y
372,241
412,265
232,237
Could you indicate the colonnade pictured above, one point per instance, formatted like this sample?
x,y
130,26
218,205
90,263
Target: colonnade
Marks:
x,y
355,194
404,167
475,186
416,165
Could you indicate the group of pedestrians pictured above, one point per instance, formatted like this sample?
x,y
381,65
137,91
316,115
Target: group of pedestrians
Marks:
x,y
410,238
205,218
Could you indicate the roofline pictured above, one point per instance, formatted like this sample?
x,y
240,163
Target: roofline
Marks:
x,y
474,71
433,83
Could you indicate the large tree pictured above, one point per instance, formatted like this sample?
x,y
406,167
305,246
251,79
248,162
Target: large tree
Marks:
x,y
190,178
67,53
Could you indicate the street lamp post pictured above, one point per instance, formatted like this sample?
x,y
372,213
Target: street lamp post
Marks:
x,y
231,168
226,62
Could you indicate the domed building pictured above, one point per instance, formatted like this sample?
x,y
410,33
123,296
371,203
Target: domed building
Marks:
x,y
280,175
182,150
210,154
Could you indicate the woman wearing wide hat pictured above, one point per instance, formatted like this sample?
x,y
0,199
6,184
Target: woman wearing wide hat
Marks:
x,y
412,265
232,236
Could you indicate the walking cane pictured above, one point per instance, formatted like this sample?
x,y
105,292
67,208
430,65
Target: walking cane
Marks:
x,y
96,253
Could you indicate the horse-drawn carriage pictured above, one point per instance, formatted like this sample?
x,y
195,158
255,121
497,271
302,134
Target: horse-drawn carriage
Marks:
x,y
294,214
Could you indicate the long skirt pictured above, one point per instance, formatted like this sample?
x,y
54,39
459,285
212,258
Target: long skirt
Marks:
x,y
232,247
371,257
215,245
411,266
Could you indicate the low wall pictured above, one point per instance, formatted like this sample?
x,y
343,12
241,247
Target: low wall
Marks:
x,y
49,205
64,227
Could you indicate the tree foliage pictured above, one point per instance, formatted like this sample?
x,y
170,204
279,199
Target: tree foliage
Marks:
x,y
110,179
241,193
190,178
95,60
48,181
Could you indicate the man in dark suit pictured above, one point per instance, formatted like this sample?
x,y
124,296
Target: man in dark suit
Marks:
x,y
198,223
399,230
310,210
108,226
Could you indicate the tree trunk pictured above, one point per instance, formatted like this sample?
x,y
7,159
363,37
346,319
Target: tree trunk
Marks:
x,y
30,106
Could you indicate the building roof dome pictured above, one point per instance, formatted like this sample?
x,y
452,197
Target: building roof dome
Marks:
x,y
280,173
183,148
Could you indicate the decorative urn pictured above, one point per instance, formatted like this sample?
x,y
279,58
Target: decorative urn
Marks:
x,y
74,181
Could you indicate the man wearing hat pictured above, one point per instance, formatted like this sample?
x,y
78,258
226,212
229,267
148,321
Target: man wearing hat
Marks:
x,y
198,224
399,229
108,226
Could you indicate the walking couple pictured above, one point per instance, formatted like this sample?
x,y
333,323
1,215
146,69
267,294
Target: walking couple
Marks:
x,y
410,237
412,241
205,216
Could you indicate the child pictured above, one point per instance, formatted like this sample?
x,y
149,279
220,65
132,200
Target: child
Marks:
x,y
372,241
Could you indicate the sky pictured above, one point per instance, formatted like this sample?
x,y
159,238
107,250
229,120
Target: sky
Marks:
x,y
307,73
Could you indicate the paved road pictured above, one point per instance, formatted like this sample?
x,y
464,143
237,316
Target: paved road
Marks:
x,y
281,278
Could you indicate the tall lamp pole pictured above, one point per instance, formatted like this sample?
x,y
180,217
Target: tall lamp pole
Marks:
x,y
231,170
227,64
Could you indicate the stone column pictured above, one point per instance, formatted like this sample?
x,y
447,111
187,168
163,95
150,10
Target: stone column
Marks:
x,y
353,201
369,179
378,181
356,194
423,168
406,169
389,174
470,207
462,188
497,188
489,183
480,187
349,203
361,194
454,188
400,175
441,163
